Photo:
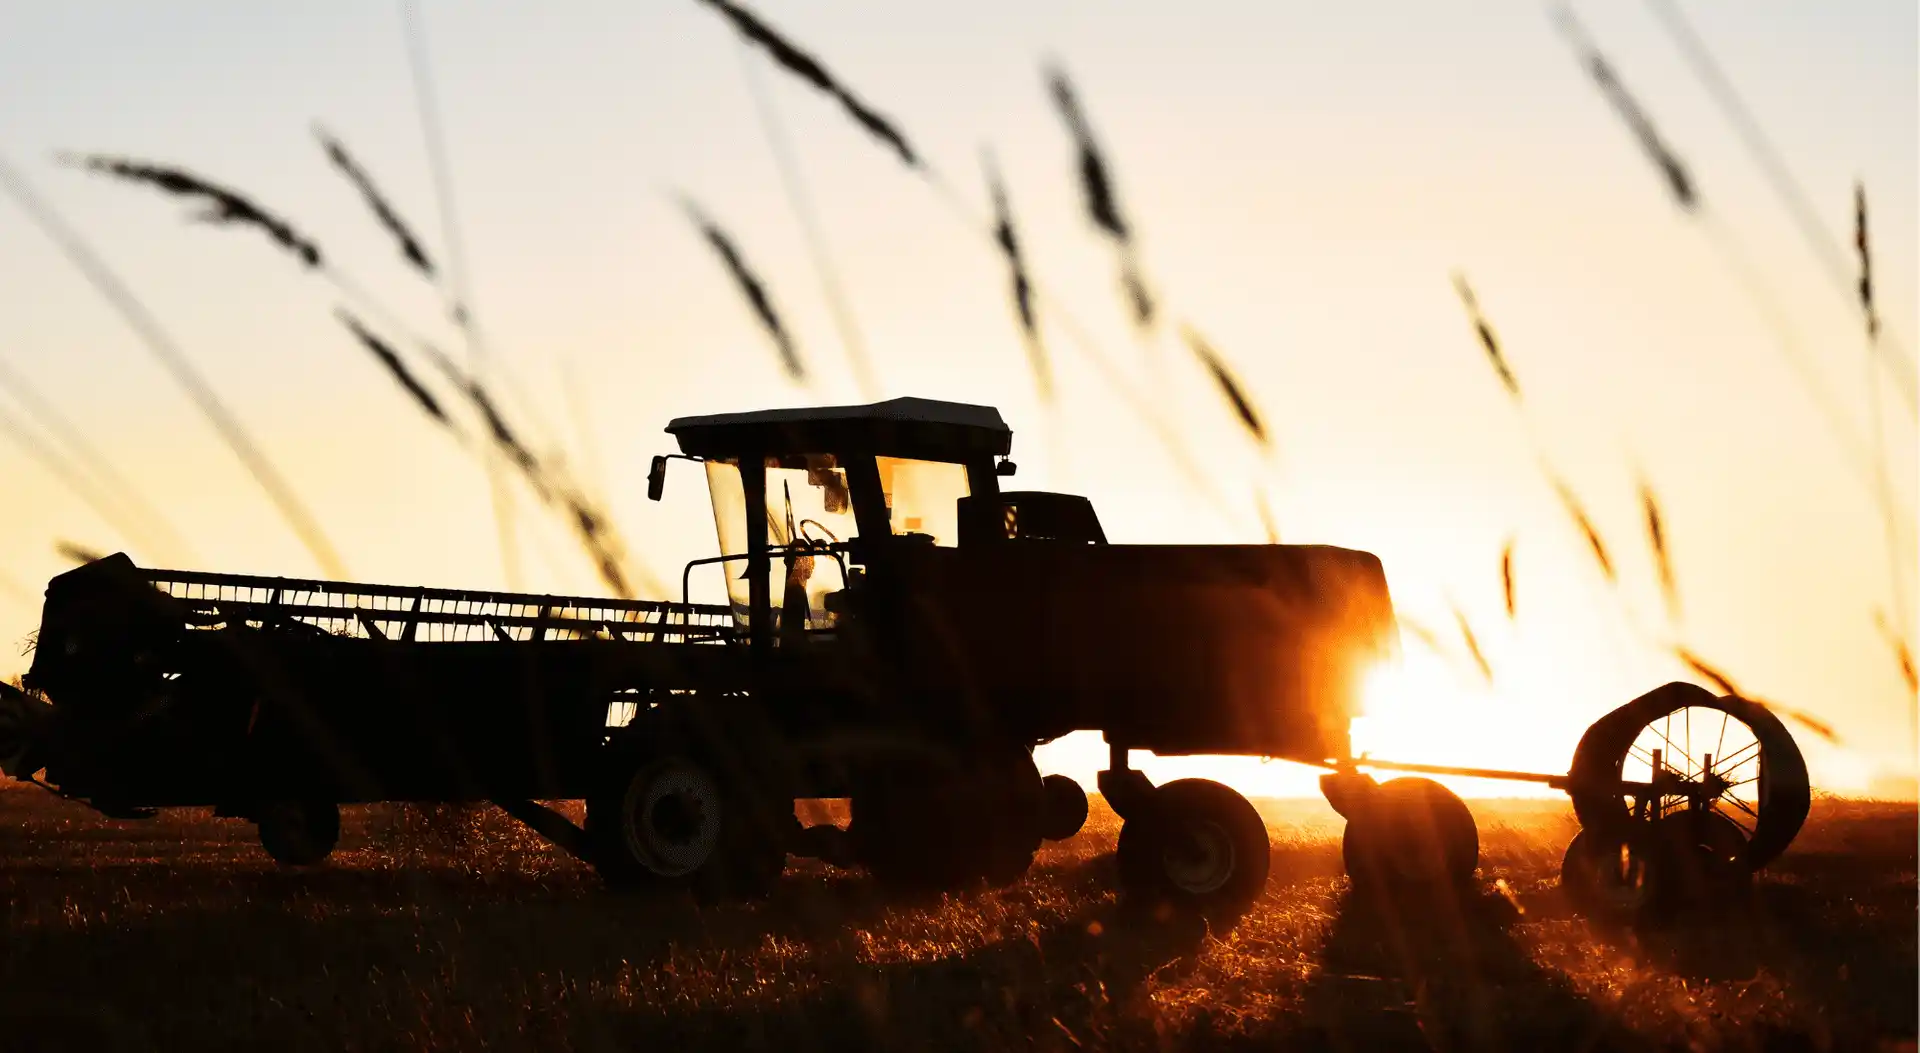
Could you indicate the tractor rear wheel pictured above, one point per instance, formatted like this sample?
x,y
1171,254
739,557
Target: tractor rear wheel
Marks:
x,y
1197,846
298,833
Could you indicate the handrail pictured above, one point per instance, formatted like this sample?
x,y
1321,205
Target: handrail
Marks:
x,y
835,550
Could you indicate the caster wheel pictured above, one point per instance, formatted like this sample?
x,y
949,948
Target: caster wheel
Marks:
x,y
1411,832
1198,847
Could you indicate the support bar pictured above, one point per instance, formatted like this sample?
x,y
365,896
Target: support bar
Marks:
x,y
551,825
1558,782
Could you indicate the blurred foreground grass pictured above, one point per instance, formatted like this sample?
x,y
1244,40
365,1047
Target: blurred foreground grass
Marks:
x,y
178,933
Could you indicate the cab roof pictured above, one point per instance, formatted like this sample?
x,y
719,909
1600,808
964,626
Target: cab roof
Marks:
x,y
902,427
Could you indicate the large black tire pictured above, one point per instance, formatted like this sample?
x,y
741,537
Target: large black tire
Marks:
x,y
684,805
1196,846
1063,807
298,833
1622,875
1784,793
1410,833
1704,854
934,821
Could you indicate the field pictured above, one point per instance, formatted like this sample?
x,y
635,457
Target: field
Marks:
x,y
177,933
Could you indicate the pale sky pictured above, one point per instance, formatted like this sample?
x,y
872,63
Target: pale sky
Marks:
x,y
1303,177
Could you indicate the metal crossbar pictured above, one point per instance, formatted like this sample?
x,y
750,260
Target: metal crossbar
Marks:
x,y
386,612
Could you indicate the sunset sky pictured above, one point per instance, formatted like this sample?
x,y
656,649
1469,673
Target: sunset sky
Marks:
x,y
1303,178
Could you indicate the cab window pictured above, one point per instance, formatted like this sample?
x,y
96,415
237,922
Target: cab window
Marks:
x,y
923,497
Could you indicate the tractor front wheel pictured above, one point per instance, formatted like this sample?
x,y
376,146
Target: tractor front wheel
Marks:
x,y
673,819
298,833
1063,807
1196,846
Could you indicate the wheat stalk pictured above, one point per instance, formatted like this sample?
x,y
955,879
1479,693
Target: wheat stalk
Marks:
x,y
1581,520
1725,685
1506,577
396,368
1657,540
1473,642
807,68
751,287
1229,386
383,211
1008,239
135,313
1484,330
76,552
1103,205
1673,171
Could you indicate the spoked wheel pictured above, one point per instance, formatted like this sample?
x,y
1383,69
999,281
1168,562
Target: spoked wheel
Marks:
x,y
1198,846
298,833
1680,748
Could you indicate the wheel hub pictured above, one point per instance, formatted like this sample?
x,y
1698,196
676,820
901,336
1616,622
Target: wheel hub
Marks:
x,y
676,816
1199,858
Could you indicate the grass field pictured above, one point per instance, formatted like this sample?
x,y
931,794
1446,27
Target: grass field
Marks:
x,y
177,933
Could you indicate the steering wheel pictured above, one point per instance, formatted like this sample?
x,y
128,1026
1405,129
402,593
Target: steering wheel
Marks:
x,y
822,527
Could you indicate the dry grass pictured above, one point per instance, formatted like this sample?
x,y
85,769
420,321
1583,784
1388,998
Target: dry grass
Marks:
x,y
177,933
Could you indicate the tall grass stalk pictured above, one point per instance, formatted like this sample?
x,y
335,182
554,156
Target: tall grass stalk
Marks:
x,y
800,201
1484,330
453,281
751,288
1578,513
1229,386
1144,406
1898,554
75,552
162,346
1102,201
104,504
1506,578
590,525
803,65
388,357
170,543
1657,540
1897,644
14,587
1007,236
383,210
1726,686
1808,218
1472,641
1723,238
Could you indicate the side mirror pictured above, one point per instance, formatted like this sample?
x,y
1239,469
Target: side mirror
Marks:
x,y
1005,468
657,478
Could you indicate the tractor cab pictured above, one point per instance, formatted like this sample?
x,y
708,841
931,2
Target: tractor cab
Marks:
x,y
807,502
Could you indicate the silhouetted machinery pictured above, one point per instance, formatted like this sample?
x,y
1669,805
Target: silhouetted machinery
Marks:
x,y
899,631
